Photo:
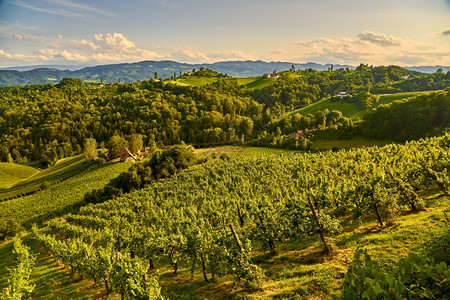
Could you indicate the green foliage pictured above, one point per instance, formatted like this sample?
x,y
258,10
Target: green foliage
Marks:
x,y
8,227
412,119
215,217
90,149
69,179
417,277
19,286
135,143
115,145
162,164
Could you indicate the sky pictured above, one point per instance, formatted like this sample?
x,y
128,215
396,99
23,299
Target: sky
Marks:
x,y
380,32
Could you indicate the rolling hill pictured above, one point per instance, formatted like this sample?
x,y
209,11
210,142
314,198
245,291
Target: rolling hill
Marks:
x,y
130,72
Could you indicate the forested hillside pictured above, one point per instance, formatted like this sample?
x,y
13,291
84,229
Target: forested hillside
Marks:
x,y
46,122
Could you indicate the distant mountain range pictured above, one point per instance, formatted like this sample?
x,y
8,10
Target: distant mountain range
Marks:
x,y
130,72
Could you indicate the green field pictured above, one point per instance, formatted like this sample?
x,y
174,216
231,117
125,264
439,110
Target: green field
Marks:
x,y
256,82
68,181
62,170
352,110
355,142
10,174
238,151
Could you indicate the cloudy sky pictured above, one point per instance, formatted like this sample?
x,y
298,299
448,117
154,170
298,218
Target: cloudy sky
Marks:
x,y
401,32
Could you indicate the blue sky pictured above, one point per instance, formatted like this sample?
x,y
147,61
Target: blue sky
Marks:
x,y
402,32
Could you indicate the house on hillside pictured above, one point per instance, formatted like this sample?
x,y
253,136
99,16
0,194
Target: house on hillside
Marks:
x,y
299,133
271,75
126,155
343,94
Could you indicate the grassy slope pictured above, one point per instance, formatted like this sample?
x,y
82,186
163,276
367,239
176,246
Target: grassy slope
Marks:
x,y
60,197
234,151
355,142
62,170
256,82
10,174
352,110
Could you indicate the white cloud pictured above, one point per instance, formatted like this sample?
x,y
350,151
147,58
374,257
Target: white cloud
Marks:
x,y
188,54
111,47
379,38
369,47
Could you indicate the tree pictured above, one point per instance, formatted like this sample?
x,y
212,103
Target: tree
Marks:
x,y
156,75
115,144
135,143
439,70
90,148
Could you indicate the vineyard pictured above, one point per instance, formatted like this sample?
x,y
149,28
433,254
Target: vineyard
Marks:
x,y
33,200
274,225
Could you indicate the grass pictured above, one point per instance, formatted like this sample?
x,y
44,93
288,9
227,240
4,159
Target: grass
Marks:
x,y
355,142
62,196
10,174
256,82
352,110
238,151
62,170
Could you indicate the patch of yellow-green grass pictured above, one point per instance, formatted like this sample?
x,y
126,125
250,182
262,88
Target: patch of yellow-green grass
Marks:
x,y
57,169
355,142
12,173
239,151
260,83
62,170
195,81
348,110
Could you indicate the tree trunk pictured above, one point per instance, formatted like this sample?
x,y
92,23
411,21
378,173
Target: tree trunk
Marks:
x,y
375,208
213,277
144,281
106,285
319,226
175,268
204,270
236,237
151,263
271,245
